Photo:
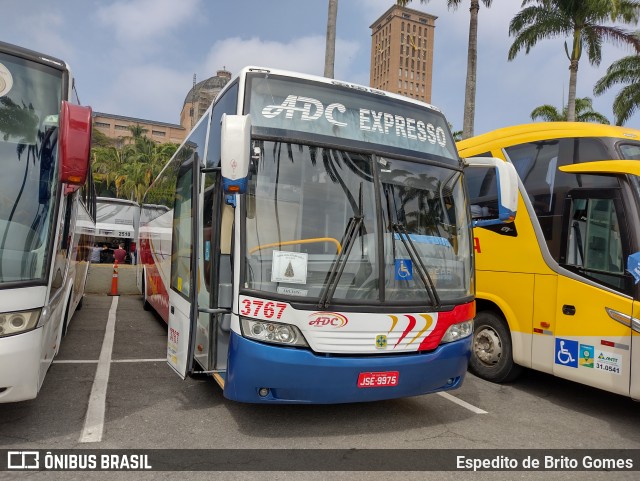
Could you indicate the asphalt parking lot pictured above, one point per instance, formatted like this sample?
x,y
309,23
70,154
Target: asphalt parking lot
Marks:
x,y
142,404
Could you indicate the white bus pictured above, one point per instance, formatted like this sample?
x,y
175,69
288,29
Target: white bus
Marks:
x,y
117,223
316,244
47,221
116,219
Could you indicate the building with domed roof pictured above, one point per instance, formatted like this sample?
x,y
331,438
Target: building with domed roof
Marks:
x,y
196,103
200,98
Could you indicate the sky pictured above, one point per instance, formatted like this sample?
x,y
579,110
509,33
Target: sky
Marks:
x,y
137,58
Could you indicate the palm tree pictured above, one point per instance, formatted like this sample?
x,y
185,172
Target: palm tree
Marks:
x,y
584,113
330,49
106,163
472,60
98,139
137,132
456,134
623,71
582,20
131,168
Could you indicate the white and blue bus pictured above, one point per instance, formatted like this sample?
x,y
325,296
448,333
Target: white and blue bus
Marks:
x,y
317,244
47,221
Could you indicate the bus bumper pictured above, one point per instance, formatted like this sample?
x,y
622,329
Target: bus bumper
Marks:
x,y
20,366
300,376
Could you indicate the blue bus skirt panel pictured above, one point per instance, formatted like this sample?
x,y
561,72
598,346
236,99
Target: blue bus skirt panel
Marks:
x,y
300,376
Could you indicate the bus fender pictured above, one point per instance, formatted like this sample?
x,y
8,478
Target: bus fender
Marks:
x,y
521,349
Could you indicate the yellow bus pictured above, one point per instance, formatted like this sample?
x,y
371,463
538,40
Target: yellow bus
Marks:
x,y
557,290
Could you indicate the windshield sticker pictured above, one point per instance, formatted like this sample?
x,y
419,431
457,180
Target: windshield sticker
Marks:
x,y
426,239
290,267
292,291
6,80
403,269
633,266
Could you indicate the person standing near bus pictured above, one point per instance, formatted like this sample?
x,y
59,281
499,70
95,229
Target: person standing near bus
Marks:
x,y
120,254
106,255
95,253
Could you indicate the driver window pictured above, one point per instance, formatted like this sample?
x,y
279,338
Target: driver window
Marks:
x,y
594,245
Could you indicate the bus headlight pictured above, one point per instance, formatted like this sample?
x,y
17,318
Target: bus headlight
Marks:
x,y
16,322
273,332
458,331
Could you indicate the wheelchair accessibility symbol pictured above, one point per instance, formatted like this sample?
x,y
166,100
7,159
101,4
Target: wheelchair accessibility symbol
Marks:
x,y
566,352
403,270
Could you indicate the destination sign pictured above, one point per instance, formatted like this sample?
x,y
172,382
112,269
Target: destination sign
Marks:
x,y
356,114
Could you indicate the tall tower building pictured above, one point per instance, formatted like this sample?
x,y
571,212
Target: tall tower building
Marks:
x,y
402,52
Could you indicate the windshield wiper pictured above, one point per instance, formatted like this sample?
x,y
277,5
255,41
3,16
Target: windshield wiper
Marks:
x,y
401,230
350,233
423,273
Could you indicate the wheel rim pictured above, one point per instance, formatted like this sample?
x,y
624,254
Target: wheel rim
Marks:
x,y
487,346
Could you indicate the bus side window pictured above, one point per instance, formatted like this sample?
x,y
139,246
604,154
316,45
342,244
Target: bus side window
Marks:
x,y
630,151
589,150
186,159
227,104
536,164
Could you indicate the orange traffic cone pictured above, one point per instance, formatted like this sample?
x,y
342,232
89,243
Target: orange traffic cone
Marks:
x,y
114,280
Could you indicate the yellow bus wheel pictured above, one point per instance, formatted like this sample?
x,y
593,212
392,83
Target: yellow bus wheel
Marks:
x,y
491,352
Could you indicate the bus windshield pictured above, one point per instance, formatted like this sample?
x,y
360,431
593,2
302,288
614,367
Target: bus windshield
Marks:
x,y
382,219
30,97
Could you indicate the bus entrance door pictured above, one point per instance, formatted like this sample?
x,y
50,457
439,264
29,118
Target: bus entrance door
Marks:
x,y
183,281
178,333
215,282
593,313
634,388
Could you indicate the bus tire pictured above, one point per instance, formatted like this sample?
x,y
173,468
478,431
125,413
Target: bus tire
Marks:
x,y
491,350
145,304
65,321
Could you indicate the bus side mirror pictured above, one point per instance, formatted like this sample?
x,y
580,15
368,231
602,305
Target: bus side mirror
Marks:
x,y
235,152
75,144
507,180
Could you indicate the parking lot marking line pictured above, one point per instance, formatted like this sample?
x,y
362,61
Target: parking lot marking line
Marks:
x,y
462,403
164,359
94,361
94,421
74,361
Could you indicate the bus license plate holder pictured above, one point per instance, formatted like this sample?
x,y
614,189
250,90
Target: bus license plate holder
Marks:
x,y
378,379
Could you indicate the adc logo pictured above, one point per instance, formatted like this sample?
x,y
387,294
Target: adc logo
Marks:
x,y
328,319
23,460
309,108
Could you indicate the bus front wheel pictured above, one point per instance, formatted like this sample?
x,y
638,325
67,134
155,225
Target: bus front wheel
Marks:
x,y
491,351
